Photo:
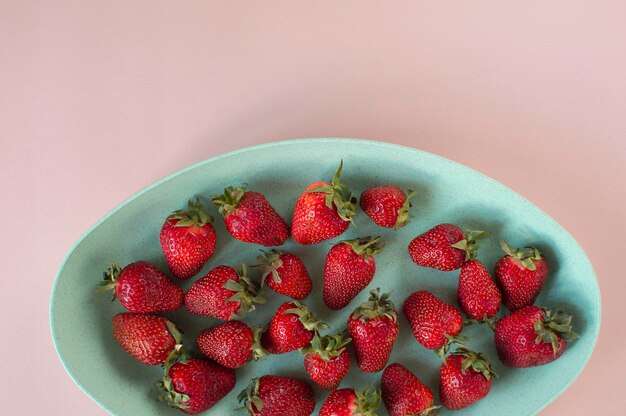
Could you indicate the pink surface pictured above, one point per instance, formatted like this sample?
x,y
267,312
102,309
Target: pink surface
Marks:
x,y
99,100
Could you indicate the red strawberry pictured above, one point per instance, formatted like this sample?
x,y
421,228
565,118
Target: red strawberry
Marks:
x,y
521,275
231,344
349,268
188,240
323,211
292,327
327,360
387,205
196,384
465,378
444,247
249,217
404,394
348,402
285,274
533,336
223,293
278,396
373,327
434,323
478,295
142,288
147,338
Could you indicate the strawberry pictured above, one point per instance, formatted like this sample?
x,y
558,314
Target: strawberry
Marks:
x,y
147,338
285,273
223,293
466,377
444,247
292,327
521,275
348,402
188,240
327,360
278,396
349,268
404,394
250,218
533,336
231,344
373,327
195,385
323,211
142,288
435,324
387,205
478,295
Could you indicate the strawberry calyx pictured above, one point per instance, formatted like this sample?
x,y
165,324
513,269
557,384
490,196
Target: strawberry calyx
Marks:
x,y
476,361
193,216
229,200
249,398
555,324
308,319
111,275
327,346
337,194
247,293
367,401
451,340
167,393
403,212
470,243
258,352
270,262
376,307
526,255
366,246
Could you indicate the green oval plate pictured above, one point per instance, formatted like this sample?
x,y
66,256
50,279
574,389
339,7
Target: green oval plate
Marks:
x,y
446,192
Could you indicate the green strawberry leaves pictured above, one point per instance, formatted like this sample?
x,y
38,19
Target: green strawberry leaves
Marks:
x,y
554,325
229,200
193,216
526,255
338,196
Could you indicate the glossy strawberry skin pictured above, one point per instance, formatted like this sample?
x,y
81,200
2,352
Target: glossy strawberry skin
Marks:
x,y
145,337
295,281
434,248
142,288
208,297
373,341
256,221
282,396
515,340
204,381
460,388
403,393
477,294
431,319
382,204
285,332
188,248
342,402
313,221
327,374
229,343
346,274
520,286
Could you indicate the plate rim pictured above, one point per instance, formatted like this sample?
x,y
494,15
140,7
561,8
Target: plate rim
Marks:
x,y
290,142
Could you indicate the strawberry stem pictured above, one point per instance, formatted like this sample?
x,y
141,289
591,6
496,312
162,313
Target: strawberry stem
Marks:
x,y
193,216
338,196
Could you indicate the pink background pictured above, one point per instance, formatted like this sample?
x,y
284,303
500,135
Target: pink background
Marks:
x,y
98,101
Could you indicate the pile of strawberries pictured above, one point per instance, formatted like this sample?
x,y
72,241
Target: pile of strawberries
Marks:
x,y
527,336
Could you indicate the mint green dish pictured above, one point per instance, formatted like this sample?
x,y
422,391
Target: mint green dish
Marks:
x,y
446,192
